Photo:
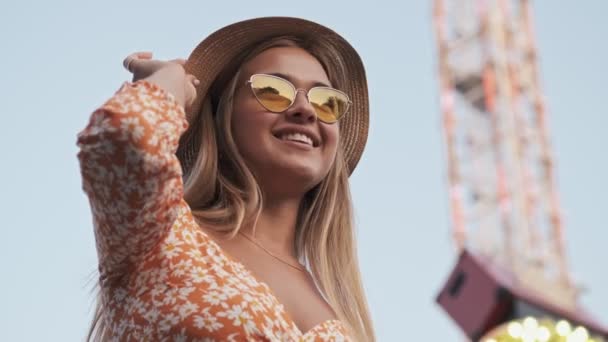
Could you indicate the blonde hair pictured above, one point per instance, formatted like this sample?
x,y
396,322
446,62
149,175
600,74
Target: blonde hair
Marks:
x,y
224,194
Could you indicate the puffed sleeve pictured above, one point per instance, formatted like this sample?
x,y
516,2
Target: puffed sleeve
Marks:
x,y
131,174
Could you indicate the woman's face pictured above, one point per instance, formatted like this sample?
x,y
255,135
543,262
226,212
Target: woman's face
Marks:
x,y
283,165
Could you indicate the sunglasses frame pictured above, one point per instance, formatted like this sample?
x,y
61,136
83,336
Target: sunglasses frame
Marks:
x,y
296,90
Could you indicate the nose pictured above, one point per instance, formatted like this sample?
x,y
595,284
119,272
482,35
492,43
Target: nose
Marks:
x,y
301,110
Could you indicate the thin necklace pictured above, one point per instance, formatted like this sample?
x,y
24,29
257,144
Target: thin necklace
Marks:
x,y
299,267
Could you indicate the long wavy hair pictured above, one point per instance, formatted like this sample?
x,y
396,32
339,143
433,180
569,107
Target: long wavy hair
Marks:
x,y
224,194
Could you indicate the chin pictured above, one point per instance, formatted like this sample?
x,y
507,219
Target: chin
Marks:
x,y
302,172
293,178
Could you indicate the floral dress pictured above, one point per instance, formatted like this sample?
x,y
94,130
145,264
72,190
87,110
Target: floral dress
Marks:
x,y
162,278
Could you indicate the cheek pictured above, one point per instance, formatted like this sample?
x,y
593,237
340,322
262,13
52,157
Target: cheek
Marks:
x,y
250,130
238,126
331,138
244,123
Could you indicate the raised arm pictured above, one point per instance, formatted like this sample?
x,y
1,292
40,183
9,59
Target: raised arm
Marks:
x,y
129,168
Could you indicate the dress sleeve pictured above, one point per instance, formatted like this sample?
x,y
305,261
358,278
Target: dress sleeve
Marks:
x,y
131,174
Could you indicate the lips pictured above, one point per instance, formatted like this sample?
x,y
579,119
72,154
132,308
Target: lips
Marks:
x,y
299,135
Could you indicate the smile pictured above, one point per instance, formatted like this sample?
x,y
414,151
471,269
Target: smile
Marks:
x,y
297,137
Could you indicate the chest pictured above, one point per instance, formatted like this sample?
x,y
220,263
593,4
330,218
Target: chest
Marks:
x,y
294,289
189,288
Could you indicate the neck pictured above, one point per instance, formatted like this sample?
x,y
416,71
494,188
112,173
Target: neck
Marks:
x,y
276,225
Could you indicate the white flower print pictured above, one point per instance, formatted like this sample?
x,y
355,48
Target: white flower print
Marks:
x,y
187,309
200,274
214,297
132,125
151,315
182,267
150,116
230,291
120,295
207,321
168,321
194,253
171,247
175,283
184,292
238,315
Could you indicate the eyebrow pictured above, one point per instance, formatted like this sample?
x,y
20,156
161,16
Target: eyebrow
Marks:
x,y
290,79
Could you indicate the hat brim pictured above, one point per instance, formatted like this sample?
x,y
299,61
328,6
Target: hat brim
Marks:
x,y
211,56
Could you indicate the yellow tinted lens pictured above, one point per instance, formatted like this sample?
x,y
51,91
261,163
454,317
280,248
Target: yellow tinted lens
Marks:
x,y
273,93
330,104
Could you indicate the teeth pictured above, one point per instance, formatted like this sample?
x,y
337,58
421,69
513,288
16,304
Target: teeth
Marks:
x,y
299,137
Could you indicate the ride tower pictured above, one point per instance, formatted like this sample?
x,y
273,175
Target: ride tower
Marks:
x,y
512,276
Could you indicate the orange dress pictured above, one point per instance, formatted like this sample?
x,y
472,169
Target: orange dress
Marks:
x,y
176,283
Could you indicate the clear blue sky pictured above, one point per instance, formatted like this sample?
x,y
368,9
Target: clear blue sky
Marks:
x,y
62,59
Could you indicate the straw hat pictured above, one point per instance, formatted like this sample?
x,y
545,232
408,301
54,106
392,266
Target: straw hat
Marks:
x,y
222,47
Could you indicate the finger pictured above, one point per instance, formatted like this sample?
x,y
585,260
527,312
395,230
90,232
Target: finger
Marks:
x,y
132,58
191,84
139,55
142,55
190,96
179,61
193,80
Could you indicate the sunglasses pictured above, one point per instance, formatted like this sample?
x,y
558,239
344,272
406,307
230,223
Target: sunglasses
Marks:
x,y
277,95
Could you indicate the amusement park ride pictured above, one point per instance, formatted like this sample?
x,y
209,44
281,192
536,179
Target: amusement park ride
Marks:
x,y
511,282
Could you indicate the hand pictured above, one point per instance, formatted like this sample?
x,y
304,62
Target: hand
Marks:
x,y
169,75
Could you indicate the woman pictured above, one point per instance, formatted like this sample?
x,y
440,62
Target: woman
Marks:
x,y
219,190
